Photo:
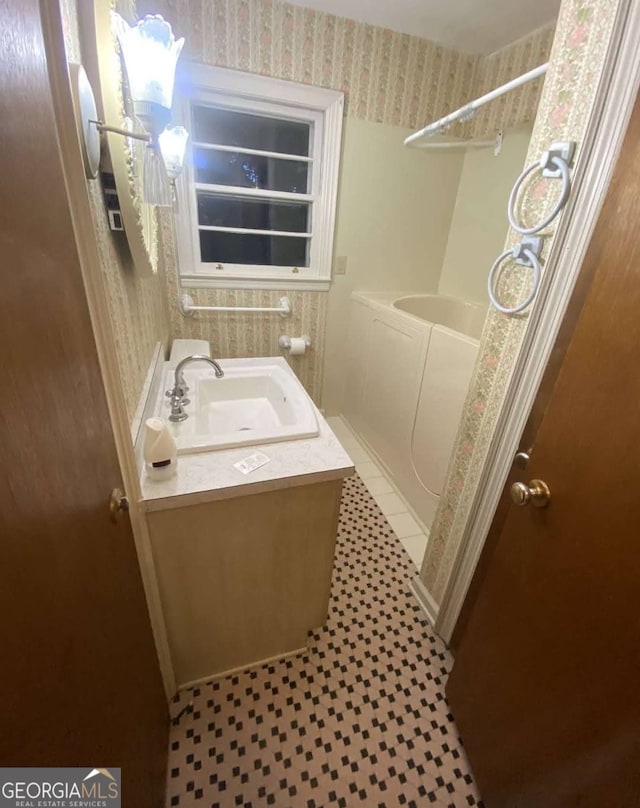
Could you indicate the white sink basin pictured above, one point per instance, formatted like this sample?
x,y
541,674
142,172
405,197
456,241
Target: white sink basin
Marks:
x,y
258,401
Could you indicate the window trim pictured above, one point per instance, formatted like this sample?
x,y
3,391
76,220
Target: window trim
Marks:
x,y
206,84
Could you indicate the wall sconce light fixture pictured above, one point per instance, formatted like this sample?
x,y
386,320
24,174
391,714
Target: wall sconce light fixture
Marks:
x,y
150,53
173,144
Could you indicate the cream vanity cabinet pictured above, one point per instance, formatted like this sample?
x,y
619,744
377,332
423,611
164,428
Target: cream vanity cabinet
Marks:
x,y
244,579
243,559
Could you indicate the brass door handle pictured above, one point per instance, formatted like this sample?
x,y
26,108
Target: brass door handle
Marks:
x,y
537,493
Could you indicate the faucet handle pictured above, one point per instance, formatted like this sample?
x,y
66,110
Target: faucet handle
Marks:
x,y
177,392
177,410
180,388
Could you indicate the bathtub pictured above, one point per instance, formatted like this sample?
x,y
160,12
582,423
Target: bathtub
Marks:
x,y
409,363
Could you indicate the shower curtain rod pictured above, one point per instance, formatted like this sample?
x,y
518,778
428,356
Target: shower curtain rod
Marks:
x,y
467,111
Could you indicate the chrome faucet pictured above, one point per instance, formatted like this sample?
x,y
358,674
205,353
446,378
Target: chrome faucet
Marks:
x,y
177,395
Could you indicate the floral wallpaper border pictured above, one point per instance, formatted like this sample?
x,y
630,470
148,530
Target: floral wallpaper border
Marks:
x,y
518,106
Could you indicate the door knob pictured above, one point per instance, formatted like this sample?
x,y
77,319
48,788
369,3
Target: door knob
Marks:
x,y
118,504
537,493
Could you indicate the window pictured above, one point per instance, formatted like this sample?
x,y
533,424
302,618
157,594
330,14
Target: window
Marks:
x,y
258,194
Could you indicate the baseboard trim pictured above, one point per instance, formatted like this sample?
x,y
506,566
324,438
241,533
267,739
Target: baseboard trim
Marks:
x,y
425,600
241,668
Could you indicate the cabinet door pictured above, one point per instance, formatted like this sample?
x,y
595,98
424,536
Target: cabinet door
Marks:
x,y
245,579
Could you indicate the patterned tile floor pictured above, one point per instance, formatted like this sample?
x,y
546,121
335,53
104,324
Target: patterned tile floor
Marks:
x,y
361,719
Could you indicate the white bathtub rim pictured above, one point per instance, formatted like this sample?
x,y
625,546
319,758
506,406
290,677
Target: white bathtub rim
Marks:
x,y
384,303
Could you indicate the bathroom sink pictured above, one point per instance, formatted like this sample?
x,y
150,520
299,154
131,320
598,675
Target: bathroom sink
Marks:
x,y
257,401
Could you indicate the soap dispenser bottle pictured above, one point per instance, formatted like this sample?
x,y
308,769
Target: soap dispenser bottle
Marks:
x,y
160,452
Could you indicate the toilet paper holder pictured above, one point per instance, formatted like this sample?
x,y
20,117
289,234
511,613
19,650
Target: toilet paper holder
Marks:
x,y
287,343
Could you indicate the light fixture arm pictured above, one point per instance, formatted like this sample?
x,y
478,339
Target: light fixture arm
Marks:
x,y
105,127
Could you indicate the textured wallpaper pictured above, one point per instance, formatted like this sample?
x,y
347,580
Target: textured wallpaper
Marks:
x,y
579,48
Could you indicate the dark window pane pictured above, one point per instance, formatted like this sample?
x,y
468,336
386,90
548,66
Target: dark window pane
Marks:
x,y
213,125
232,211
250,171
240,248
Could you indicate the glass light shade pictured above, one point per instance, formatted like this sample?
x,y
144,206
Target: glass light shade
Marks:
x,y
150,53
173,143
155,186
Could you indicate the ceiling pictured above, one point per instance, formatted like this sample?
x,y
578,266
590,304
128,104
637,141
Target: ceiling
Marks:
x,y
474,26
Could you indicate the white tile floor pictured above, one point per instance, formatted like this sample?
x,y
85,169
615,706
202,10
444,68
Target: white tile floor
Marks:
x,y
389,501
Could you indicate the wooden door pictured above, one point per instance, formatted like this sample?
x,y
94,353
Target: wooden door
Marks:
x,y
545,685
79,675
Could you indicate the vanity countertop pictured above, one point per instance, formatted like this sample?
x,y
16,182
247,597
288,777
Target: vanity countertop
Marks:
x,y
210,476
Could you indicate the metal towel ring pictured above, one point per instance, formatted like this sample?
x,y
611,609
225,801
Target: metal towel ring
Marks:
x,y
547,162
516,252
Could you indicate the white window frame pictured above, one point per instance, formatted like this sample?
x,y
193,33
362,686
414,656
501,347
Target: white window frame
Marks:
x,y
205,84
